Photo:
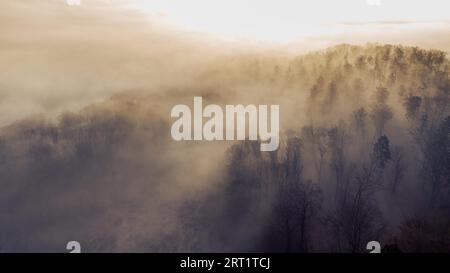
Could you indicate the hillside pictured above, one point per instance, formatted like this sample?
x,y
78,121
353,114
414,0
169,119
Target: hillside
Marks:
x,y
359,123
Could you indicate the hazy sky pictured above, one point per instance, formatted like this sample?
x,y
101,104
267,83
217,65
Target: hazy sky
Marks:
x,y
284,20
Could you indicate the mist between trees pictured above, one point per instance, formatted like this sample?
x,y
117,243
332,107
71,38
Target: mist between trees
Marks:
x,y
364,155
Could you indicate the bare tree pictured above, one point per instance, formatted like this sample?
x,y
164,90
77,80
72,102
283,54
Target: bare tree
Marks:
x,y
357,219
337,145
298,201
431,135
381,113
318,138
398,168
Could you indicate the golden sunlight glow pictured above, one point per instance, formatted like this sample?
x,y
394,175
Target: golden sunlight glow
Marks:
x,y
285,20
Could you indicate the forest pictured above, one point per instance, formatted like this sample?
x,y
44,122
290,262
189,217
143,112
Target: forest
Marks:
x,y
364,155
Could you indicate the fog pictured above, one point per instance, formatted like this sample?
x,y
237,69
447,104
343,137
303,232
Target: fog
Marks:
x,y
86,152
55,57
